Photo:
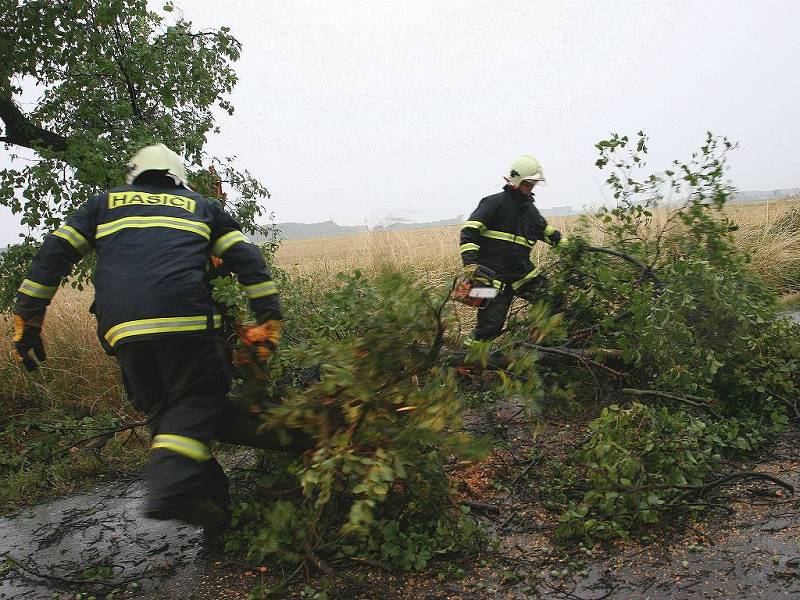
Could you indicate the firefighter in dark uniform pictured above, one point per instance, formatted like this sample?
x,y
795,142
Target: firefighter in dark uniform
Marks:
x,y
500,234
153,238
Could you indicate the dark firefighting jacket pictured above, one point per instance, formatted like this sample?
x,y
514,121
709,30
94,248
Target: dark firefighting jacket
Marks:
x,y
153,246
500,234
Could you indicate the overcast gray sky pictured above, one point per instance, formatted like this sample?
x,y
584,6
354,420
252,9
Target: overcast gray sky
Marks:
x,y
356,111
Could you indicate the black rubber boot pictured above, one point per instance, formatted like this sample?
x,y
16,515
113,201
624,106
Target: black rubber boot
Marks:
x,y
205,513
207,504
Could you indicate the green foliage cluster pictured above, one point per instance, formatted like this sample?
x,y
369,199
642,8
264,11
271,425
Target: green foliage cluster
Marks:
x,y
643,461
385,415
14,263
408,543
111,77
691,321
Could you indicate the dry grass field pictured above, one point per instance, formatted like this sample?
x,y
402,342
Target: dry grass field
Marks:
x,y
432,252
80,374
77,373
770,232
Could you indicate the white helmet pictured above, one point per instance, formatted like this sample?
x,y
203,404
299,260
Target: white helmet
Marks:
x,y
524,168
157,158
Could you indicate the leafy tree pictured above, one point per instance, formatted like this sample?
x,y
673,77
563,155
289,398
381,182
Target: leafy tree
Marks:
x,y
108,76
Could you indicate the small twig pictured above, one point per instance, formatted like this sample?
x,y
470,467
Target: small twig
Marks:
x,y
319,564
103,430
724,507
701,534
700,489
322,567
531,462
269,492
481,506
283,584
75,582
508,520
688,399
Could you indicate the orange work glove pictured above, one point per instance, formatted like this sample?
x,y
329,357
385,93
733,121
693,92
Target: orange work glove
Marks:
x,y
259,342
27,338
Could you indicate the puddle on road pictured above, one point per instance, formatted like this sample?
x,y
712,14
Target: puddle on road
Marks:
x,y
96,536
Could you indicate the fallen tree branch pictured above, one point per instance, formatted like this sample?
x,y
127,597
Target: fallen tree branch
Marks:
x,y
746,475
534,461
574,354
587,330
701,488
647,271
102,438
688,399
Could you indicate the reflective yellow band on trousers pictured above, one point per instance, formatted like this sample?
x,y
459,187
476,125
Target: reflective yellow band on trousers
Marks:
x,y
226,241
508,237
468,247
160,325
37,290
74,238
520,282
143,222
182,445
259,290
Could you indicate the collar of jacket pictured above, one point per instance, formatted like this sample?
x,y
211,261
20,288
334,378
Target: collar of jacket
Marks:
x,y
517,195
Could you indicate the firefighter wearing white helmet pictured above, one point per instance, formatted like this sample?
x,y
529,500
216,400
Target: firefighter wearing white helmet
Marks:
x,y
159,159
525,168
152,239
499,236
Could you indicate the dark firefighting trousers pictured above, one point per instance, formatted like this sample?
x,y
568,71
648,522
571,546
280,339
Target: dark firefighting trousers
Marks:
x,y
492,318
181,384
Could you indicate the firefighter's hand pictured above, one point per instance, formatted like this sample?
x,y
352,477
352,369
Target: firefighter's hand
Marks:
x,y
27,338
555,238
469,270
259,341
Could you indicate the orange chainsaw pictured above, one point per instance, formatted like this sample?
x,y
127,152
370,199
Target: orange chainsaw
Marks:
x,y
476,286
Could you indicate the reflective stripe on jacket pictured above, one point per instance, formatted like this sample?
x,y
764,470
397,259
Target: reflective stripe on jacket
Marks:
x,y
500,234
153,246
